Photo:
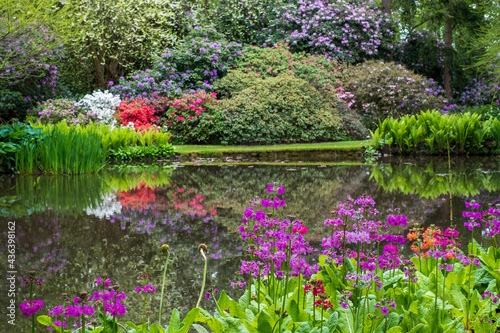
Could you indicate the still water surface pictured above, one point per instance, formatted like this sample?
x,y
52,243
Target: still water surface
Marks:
x,y
71,229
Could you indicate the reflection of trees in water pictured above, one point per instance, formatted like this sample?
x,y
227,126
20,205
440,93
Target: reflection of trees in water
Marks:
x,y
432,179
201,204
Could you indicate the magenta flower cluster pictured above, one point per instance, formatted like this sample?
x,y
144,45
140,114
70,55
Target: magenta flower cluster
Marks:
x,y
29,308
278,246
145,289
489,218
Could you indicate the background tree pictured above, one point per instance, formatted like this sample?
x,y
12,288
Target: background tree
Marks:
x,y
453,21
32,33
484,47
119,35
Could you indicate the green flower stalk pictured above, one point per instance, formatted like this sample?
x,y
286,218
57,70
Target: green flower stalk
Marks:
x,y
32,273
165,249
203,248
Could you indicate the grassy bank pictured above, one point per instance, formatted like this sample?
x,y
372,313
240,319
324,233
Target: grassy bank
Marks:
x,y
206,149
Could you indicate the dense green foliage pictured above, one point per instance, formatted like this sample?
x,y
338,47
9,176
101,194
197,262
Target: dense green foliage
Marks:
x,y
63,150
436,133
119,36
74,149
241,20
281,109
12,138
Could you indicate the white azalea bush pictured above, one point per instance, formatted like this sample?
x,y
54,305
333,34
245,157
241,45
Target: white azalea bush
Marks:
x,y
103,104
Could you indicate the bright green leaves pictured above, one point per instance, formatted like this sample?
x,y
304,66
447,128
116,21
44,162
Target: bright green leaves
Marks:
x,y
437,132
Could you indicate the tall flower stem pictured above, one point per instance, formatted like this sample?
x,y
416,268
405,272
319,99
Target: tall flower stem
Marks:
x,y
163,286
115,325
437,282
31,303
444,286
321,329
204,278
258,292
144,312
468,298
298,293
83,324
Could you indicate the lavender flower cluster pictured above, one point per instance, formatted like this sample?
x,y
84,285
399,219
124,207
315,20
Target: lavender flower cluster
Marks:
x,y
54,111
346,30
203,58
28,61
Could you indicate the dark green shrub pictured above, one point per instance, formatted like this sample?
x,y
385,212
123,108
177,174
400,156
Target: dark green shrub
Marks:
x,y
378,90
235,82
11,104
324,74
241,20
12,138
280,109
489,111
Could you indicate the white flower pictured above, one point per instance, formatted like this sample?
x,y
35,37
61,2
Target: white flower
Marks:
x,y
103,104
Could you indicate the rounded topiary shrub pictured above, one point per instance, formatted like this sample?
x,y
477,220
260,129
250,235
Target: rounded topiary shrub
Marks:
x,y
281,109
377,90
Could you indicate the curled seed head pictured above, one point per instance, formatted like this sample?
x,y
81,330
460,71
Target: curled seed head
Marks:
x,y
98,303
149,313
165,248
32,273
254,297
277,311
83,295
203,247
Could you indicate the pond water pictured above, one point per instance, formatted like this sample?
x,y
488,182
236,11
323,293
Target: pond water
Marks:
x,y
71,229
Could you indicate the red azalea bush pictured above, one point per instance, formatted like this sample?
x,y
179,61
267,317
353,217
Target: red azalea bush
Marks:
x,y
137,111
191,118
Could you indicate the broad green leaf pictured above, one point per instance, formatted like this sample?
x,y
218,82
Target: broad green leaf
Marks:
x,y
188,321
332,321
303,328
264,323
199,328
395,330
175,321
44,320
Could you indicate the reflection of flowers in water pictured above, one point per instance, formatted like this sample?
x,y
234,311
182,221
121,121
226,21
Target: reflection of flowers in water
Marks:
x,y
139,197
187,201
109,206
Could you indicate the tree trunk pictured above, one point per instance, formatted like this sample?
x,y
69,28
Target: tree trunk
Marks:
x,y
113,70
100,83
386,6
448,52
